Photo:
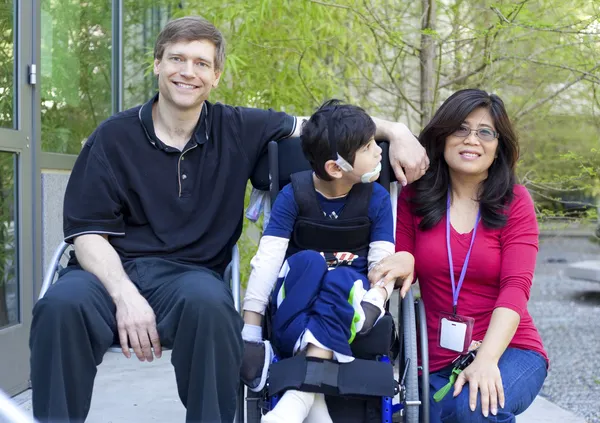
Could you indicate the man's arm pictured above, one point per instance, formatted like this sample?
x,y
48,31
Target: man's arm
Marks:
x,y
135,318
407,156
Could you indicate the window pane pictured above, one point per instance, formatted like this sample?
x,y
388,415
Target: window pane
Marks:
x,y
142,21
76,71
9,281
7,64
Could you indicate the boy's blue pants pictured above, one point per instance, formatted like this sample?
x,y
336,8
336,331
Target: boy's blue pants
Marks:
x,y
312,297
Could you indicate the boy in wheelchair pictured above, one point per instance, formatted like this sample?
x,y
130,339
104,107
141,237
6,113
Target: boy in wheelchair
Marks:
x,y
327,230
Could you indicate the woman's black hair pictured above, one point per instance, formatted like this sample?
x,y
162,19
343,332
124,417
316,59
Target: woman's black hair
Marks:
x,y
496,192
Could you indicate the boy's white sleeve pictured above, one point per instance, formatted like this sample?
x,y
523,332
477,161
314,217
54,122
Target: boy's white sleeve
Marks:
x,y
265,267
378,250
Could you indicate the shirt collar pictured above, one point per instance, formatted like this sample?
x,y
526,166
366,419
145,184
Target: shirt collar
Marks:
x,y
200,134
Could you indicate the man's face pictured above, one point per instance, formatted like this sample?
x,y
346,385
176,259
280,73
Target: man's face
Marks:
x,y
186,73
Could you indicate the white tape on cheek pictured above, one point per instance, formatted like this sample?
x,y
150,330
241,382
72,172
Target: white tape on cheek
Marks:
x,y
366,178
343,164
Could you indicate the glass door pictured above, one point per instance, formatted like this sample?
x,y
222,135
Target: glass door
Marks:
x,y
16,193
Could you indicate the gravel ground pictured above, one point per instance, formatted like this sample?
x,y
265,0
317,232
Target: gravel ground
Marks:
x,y
567,314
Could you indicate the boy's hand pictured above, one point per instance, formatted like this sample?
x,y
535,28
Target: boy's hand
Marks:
x,y
398,267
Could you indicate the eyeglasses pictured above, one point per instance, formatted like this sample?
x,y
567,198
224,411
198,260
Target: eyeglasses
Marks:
x,y
484,134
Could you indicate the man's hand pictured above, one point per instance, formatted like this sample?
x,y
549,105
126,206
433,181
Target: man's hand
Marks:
x,y
135,318
407,156
137,326
482,375
400,266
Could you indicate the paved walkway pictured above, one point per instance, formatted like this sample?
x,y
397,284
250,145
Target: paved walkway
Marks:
x,y
128,391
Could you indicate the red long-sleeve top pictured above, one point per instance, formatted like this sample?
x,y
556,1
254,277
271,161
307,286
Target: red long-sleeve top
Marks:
x,y
499,273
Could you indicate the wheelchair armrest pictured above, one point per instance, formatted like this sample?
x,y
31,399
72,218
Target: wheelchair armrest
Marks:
x,y
51,268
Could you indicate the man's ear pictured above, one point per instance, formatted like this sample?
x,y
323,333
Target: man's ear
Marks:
x,y
218,75
333,169
156,63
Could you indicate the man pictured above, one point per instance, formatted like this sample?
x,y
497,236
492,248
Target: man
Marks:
x,y
153,207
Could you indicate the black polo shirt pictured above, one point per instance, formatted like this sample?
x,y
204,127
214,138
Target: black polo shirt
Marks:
x,y
154,200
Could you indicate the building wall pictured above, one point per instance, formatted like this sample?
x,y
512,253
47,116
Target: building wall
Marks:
x,y
54,184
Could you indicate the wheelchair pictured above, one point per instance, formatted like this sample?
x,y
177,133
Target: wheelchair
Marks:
x,y
375,395
60,260
272,173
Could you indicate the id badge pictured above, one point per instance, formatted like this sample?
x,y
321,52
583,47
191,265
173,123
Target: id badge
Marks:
x,y
455,332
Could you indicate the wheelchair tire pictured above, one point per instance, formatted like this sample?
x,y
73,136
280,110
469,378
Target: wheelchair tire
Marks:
x,y
424,345
409,333
253,411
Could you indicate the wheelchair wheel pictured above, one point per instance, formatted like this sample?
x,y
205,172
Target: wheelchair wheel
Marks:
x,y
409,333
423,343
253,411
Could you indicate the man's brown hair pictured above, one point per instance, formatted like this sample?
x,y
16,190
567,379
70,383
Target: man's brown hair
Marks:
x,y
191,28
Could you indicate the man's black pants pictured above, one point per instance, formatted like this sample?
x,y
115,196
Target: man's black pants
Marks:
x,y
74,325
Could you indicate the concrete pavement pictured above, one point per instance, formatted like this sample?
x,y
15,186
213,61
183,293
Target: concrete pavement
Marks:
x,y
128,391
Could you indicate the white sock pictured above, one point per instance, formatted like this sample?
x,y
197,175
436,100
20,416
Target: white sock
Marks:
x,y
319,412
252,333
375,297
293,407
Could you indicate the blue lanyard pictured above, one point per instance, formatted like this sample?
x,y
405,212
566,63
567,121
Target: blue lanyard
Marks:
x,y
455,288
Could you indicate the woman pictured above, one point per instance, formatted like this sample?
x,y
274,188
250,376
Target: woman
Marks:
x,y
467,213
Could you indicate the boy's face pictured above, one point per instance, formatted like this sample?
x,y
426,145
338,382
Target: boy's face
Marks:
x,y
186,73
366,160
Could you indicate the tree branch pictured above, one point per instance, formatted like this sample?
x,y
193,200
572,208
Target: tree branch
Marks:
x,y
537,62
390,72
365,21
553,95
558,30
385,29
400,94
489,40
461,78
299,69
341,6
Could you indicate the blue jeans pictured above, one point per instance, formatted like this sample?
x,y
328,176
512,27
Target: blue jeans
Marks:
x,y
523,373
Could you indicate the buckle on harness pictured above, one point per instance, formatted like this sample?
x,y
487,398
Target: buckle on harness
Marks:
x,y
333,263
334,260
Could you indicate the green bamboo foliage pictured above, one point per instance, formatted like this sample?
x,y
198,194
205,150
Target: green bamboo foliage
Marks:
x,y
7,64
541,56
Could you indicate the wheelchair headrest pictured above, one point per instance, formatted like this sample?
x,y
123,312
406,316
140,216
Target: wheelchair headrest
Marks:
x,y
290,159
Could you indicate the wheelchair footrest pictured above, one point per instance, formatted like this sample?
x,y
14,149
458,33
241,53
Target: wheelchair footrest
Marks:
x,y
359,377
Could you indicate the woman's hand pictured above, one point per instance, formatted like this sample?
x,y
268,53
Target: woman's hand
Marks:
x,y
482,375
400,267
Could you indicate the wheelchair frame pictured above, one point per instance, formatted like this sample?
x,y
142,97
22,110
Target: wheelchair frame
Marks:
x,y
412,312
232,274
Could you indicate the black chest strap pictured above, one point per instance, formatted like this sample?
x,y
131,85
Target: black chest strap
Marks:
x,y
357,201
350,232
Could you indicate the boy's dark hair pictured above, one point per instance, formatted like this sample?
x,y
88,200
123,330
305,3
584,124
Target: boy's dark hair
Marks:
x,y
351,129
